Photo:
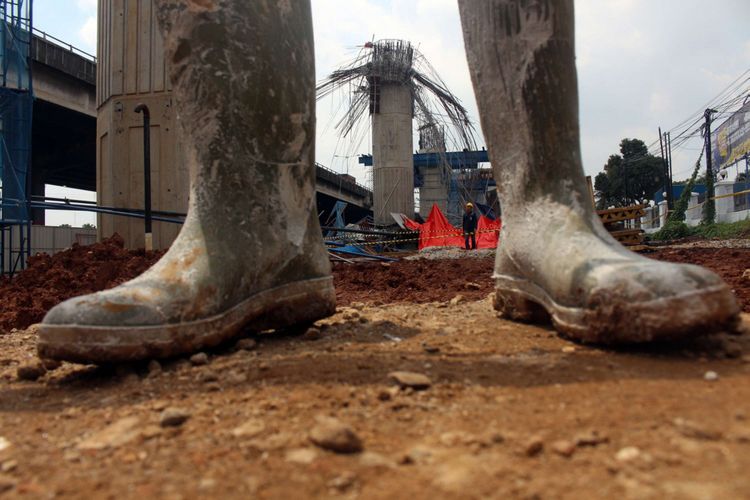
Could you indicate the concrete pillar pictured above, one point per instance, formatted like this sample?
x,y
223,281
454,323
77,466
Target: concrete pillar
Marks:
x,y
434,190
663,213
724,205
393,166
132,70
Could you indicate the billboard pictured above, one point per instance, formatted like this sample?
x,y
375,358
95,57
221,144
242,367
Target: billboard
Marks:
x,y
731,139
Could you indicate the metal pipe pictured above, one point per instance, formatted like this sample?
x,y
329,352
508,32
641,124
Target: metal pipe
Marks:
x,y
142,108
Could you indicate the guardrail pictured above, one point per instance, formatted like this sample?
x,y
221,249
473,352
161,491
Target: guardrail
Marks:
x,y
71,48
335,178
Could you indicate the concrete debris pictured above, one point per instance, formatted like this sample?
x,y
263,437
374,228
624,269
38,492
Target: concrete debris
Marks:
x,y
333,435
412,380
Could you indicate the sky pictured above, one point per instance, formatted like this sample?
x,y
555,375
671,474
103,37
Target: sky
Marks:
x,y
641,63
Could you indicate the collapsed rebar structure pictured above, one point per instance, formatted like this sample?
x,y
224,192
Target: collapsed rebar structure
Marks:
x,y
392,83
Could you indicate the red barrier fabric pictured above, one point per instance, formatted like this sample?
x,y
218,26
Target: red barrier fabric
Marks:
x,y
438,232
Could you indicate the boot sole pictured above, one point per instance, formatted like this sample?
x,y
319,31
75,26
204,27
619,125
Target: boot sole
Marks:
x,y
291,304
678,317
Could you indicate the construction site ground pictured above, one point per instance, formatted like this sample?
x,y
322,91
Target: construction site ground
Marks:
x,y
510,410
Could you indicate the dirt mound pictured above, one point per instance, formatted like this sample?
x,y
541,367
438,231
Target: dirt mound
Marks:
x,y
48,280
729,263
415,281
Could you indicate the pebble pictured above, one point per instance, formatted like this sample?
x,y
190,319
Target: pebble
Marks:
x,y
470,285
251,428
114,435
154,368
564,447
9,466
302,456
199,359
430,349
332,434
246,344
533,446
693,430
343,481
457,299
746,274
30,371
372,459
568,349
312,333
590,438
627,454
4,443
206,377
51,364
412,380
710,376
7,483
173,417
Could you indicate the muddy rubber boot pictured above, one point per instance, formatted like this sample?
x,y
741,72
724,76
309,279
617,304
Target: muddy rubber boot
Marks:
x,y
251,250
555,258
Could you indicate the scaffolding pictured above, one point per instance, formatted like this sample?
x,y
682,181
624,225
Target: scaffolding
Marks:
x,y
16,107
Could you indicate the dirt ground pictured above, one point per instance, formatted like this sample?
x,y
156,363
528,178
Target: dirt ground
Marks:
x,y
511,411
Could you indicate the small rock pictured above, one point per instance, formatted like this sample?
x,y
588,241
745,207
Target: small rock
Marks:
x,y
746,274
51,364
114,435
151,431
384,396
246,344
412,380
627,454
331,434
7,483
173,417
154,368
568,349
251,428
564,447
711,376
694,431
199,359
312,333
205,377
417,455
372,459
343,482
590,438
302,456
9,466
533,446
469,285
457,300
430,349
4,443
30,371
746,359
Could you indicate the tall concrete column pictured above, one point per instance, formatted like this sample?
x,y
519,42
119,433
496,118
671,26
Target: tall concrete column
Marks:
x,y
392,146
132,70
434,190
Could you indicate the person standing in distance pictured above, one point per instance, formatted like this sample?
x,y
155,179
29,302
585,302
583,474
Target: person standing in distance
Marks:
x,y
470,227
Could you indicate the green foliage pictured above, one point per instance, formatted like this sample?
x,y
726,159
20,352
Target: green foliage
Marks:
x,y
678,214
675,230
88,226
64,225
629,178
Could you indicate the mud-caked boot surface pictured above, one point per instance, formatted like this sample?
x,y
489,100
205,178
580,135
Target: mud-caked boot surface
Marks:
x,y
555,258
251,251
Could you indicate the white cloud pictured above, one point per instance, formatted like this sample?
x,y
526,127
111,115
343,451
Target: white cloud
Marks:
x,y
88,34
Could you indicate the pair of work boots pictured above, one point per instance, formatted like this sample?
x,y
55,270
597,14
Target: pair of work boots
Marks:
x,y
251,251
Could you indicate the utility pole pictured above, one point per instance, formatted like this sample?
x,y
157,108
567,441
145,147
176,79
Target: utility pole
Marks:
x,y
709,207
667,191
669,164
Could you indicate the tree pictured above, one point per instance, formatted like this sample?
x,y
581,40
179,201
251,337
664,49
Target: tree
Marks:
x,y
64,225
630,178
88,226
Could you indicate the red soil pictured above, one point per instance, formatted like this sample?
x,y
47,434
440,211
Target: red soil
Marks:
x,y
48,280
80,270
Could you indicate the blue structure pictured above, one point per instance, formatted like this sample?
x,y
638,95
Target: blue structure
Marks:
x,y
457,160
16,106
